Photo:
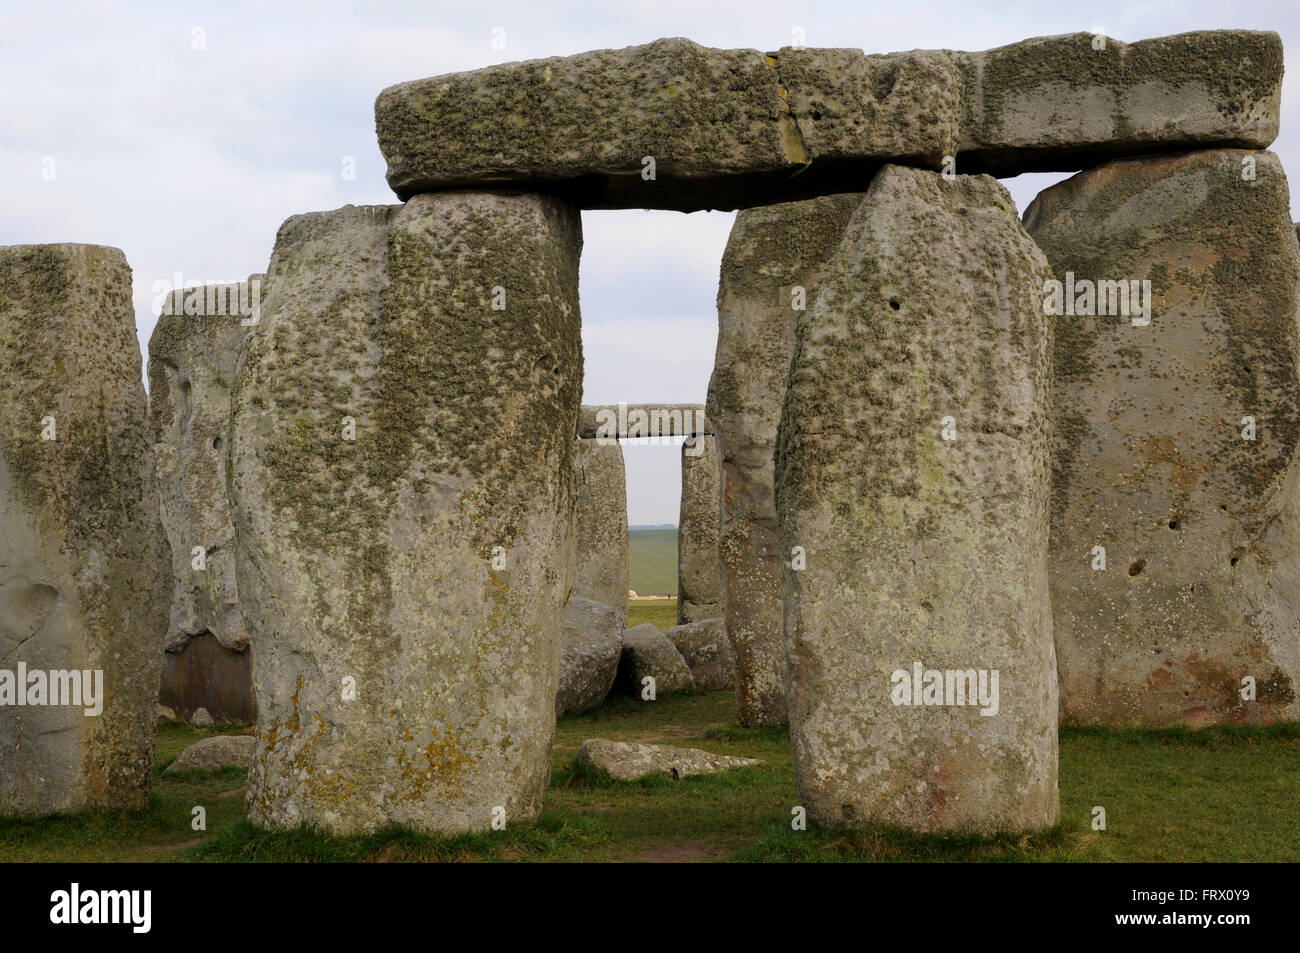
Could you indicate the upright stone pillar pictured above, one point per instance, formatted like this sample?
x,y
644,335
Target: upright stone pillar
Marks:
x,y
771,271
85,575
912,475
403,488
1175,539
699,586
602,543
192,355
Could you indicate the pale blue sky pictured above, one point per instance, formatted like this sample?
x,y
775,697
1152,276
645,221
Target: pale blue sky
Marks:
x,y
190,159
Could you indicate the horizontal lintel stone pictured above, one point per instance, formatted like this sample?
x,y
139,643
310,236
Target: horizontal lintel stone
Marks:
x,y
675,125
643,420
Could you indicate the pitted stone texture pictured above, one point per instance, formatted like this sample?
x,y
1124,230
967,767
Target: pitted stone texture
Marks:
x,y
592,646
919,548
1059,103
736,128
373,566
85,573
629,761
772,266
601,528
699,586
215,753
707,652
1201,528
647,652
585,123
192,354
849,106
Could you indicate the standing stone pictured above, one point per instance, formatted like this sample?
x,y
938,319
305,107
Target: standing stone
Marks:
x,y
192,355
771,271
85,575
206,674
601,525
925,555
1200,527
403,488
699,586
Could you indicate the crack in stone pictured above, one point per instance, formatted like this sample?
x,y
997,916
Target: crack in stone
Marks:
x,y
792,143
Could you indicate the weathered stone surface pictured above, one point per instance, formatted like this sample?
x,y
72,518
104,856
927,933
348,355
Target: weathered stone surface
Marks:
x,y
736,128
583,124
215,753
629,761
1059,104
647,652
192,355
699,586
771,271
1201,528
85,574
404,590
921,551
601,525
705,648
202,718
592,646
206,674
610,421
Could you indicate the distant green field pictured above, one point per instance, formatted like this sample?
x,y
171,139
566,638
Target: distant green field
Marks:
x,y
652,561
661,613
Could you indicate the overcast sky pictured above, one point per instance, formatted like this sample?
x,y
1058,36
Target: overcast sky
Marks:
x,y
189,159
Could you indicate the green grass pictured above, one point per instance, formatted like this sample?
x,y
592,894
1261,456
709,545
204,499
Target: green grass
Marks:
x,y
160,832
1216,794
660,612
652,562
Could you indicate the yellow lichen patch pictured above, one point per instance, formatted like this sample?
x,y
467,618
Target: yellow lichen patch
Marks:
x,y
792,142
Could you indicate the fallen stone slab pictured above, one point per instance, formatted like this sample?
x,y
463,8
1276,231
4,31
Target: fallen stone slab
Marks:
x,y
699,583
589,655
707,651
912,471
629,761
215,753
402,484
675,125
612,421
85,572
771,273
601,573
1175,527
648,653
